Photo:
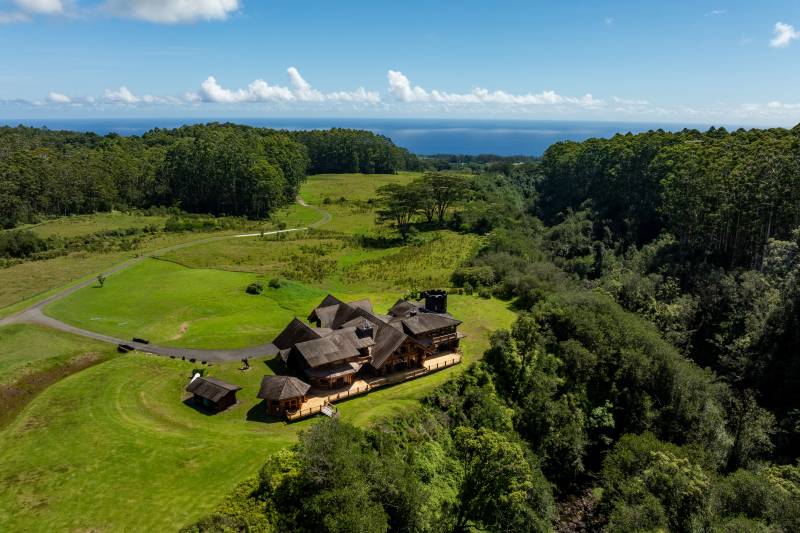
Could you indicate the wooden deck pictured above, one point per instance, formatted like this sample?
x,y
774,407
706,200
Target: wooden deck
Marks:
x,y
318,398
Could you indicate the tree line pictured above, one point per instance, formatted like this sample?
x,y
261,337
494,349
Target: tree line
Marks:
x,y
212,168
721,194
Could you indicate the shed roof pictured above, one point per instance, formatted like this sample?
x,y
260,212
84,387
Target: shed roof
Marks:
x,y
211,389
282,388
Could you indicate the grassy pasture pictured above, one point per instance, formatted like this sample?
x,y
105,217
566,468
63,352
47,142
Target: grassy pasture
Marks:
x,y
114,448
74,226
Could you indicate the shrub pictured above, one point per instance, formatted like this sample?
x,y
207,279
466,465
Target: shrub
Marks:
x,y
255,288
468,288
275,283
478,275
484,293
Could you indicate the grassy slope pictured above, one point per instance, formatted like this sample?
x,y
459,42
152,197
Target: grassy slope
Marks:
x,y
114,448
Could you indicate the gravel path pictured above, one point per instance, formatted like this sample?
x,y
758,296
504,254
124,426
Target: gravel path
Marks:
x,y
35,315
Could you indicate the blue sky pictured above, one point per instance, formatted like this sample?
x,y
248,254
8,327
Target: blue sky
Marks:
x,y
732,62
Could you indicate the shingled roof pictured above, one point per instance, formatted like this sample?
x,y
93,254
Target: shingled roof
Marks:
x,y
424,322
296,331
282,388
211,389
341,344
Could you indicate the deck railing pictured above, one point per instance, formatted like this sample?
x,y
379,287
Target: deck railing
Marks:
x,y
451,360
444,338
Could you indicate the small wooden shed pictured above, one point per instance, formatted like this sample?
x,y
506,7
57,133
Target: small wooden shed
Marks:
x,y
283,393
212,393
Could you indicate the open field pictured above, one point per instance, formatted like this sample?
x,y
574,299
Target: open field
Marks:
x,y
33,357
114,448
74,226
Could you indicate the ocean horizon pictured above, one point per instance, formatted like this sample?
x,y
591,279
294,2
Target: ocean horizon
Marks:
x,y
421,136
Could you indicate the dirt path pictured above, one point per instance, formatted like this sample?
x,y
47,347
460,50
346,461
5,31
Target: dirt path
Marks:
x,y
34,313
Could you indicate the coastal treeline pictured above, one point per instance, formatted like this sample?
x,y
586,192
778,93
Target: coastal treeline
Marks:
x,y
338,151
212,169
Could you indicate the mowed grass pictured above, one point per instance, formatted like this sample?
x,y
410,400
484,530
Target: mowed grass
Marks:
x,y
173,305
25,349
114,447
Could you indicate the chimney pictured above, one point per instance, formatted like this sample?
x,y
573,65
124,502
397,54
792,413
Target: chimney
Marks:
x,y
435,301
365,329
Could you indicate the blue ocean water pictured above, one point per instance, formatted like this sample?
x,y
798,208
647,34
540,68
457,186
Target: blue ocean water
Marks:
x,y
421,136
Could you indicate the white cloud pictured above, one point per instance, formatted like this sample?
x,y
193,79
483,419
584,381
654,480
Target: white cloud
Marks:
x,y
400,87
629,101
609,21
44,7
258,91
784,35
717,12
173,11
120,96
261,91
58,98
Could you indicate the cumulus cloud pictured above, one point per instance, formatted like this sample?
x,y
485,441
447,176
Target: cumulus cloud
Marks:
x,y
261,91
173,11
784,35
58,98
401,88
120,96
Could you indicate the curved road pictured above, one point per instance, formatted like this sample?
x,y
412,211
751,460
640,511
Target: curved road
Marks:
x,y
35,315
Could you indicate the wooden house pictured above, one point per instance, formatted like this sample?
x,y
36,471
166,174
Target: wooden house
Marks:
x,y
283,394
343,341
211,393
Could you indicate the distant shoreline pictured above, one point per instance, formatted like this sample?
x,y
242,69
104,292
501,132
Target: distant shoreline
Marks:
x,y
421,136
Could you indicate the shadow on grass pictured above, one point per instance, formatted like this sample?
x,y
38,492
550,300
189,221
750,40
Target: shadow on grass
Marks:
x,y
190,402
276,365
258,413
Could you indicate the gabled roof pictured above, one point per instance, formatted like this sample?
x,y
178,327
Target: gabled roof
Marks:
x,y
387,340
403,308
425,322
329,301
211,389
282,388
296,331
334,347
364,304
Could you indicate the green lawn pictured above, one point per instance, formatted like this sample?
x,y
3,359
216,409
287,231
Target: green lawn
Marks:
x,y
25,349
114,448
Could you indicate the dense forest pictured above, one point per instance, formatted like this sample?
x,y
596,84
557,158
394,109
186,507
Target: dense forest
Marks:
x,y
212,169
649,384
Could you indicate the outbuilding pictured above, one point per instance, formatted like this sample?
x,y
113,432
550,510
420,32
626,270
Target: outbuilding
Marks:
x,y
283,394
212,393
